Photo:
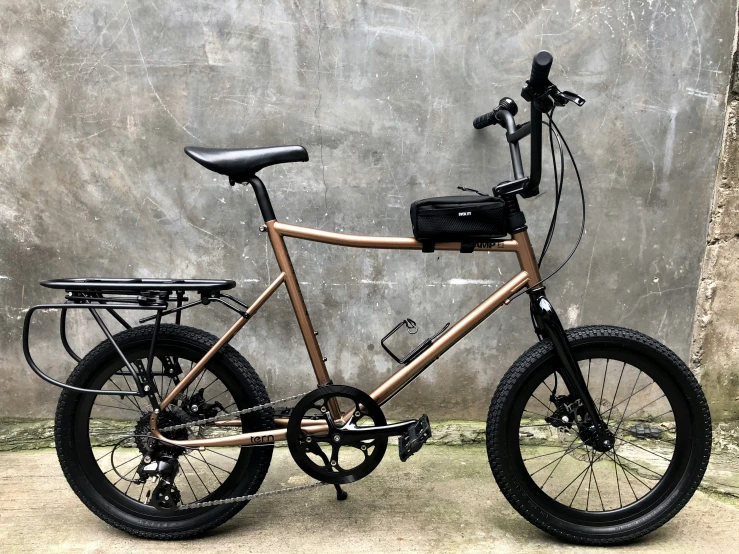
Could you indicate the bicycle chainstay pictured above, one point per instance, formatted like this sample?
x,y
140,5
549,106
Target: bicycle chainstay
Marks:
x,y
230,415
219,417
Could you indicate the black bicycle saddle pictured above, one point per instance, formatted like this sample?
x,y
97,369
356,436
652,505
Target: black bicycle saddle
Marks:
x,y
241,163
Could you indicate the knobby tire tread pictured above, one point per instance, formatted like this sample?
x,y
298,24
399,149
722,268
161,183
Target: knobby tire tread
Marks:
x,y
502,400
198,338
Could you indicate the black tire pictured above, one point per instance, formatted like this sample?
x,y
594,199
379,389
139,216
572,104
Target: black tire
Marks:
x,y
679,479
74,447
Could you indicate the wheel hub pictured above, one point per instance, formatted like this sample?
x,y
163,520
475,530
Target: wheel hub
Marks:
x,y
150,446
571,413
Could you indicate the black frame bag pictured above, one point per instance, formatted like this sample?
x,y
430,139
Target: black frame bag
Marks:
x,y
465,219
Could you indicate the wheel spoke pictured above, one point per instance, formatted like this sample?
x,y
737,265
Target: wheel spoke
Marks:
x,y
547,454
641,466
570,483
207,464
221,454
534,413
567,451
645,405
186,458
135,400
614,458
628,399
597,488
626,469
122,477
618,485
118,408
644,449
616,392
605,375
106,454
584,474
121,465
542,403
195,496
132,400
211,463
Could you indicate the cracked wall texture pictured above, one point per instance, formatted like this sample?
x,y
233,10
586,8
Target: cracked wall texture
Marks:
x,y
98,98
715,353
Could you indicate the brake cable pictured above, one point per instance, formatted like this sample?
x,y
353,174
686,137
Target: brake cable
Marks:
x,y
553,126
557,187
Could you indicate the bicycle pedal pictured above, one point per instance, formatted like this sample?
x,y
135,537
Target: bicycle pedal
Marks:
x,y
414,438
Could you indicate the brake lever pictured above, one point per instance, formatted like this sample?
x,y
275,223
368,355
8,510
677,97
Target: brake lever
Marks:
x,y
561,97
551,94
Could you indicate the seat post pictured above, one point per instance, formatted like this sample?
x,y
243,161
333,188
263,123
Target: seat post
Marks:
x,y
262,198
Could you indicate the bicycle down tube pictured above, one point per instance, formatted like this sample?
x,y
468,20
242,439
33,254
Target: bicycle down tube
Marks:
x,y
527,277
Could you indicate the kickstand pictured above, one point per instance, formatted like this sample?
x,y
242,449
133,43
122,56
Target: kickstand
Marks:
x,y
340,493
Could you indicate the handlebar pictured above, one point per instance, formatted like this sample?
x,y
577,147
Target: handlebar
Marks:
x,y
485,120
536,85
540,70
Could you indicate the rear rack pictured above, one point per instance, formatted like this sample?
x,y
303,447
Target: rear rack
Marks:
x,y
95,294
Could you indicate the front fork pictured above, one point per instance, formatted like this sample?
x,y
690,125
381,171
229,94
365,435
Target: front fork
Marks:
x,y
547,325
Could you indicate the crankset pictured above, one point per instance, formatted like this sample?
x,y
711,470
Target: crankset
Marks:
x,y
350,445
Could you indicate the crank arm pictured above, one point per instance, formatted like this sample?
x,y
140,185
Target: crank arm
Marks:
x,y
351,433
546,317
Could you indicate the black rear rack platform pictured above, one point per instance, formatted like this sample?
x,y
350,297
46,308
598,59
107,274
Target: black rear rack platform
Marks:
x,y
136,285
110,295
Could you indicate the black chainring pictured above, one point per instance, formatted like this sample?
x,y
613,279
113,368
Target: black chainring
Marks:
x,y
317,454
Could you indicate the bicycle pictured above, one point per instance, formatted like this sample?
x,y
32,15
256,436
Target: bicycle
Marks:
x,y
201,437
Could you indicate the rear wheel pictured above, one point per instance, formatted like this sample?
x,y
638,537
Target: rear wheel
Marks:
x,y
102,441
549,471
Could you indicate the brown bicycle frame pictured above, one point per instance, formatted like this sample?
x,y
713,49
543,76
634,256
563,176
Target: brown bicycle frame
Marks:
x,y
528,277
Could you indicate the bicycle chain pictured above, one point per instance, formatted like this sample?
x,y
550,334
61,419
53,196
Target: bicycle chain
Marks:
x,y
231,414
196,505
244,498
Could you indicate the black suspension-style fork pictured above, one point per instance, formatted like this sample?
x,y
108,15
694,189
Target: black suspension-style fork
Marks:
x,y
548,325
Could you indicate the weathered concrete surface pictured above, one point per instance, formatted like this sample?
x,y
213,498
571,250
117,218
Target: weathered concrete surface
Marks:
x,y
100,97
715,352
397,509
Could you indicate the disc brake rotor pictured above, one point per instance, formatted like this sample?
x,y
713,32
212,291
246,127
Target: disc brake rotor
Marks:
x,y
333,455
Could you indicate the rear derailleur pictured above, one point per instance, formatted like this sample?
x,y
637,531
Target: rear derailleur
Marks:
x,y
165,495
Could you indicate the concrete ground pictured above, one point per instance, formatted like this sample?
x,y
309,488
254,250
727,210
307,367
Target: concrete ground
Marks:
x,y
442,500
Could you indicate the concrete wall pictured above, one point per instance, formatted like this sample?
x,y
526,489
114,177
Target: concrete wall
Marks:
x,y
715,354
100,97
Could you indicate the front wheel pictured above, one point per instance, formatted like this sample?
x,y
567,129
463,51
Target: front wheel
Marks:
x,y
543,460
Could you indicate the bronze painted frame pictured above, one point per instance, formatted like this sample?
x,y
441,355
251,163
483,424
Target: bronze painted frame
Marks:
x,y
528,277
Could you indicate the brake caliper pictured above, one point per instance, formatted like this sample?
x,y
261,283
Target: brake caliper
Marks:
x,y
197,407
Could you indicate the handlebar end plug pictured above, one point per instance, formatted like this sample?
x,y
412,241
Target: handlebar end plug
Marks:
x,y
509,105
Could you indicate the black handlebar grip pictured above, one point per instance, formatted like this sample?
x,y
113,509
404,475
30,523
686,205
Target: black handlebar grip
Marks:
x,y
485,120
540,70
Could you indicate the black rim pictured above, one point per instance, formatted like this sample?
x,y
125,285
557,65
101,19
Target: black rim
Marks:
x,y
107,428
559,469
